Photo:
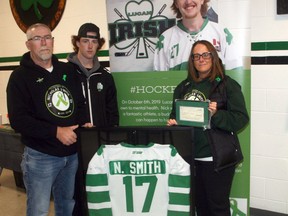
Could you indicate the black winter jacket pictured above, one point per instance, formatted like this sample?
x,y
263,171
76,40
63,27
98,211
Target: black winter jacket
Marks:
x,y
99,89
38,101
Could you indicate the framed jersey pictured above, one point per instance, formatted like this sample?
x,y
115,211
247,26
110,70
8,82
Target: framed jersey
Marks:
x,y
143,154
179,136
131,180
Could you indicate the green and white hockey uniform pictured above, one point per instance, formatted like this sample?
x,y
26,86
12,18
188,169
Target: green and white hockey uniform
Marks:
x,y
126,180
174,46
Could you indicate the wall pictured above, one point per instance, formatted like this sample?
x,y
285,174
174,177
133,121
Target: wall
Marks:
x,y
269,120
269,106
12,39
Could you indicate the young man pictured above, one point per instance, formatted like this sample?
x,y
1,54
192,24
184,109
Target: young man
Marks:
x,y
45,107
174,45
97,83
98,88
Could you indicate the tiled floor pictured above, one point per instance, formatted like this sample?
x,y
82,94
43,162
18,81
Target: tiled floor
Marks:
x,y
12,198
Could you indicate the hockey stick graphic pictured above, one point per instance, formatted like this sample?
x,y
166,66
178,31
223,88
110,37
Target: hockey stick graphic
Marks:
x,y
161,10
119,14
119,54
149,46
146,42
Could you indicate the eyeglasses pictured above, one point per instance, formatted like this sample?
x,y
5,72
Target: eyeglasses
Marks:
x,y
197,56
39,38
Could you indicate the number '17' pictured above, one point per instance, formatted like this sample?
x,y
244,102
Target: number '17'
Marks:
x,y
139,181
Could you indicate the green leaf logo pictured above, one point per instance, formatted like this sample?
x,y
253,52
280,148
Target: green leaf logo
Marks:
x,y
27,4
28,12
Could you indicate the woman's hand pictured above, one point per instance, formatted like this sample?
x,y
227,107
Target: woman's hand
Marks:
x,y
171,122
212,108
87,125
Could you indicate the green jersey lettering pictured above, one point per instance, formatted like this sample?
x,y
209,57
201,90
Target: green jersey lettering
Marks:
x,y
146,167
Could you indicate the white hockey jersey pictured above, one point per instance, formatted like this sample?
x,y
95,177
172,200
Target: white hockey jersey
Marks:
x,y
174,46
126,180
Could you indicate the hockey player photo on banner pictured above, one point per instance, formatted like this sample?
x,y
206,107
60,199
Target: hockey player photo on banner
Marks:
x,y
174,45
135,35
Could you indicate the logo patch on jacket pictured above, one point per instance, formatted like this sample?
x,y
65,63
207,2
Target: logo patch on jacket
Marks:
x,y
99,86
195,95
59,101
40,80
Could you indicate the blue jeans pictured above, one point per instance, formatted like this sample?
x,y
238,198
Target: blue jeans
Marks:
x,y
44,173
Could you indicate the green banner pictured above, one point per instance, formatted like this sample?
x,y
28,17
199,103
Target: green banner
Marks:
x,y
240,194
145,99
145,96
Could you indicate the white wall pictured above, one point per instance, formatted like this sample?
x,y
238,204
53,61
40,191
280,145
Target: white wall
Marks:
x,y
4,76
269,106
269,99
12,39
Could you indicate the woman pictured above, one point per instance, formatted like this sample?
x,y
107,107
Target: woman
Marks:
x,y
206,80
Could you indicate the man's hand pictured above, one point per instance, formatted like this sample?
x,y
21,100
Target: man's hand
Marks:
x,y
87,125
171,122
66,135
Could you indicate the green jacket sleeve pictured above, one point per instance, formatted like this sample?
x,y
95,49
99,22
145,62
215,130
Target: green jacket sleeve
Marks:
x,y
236,116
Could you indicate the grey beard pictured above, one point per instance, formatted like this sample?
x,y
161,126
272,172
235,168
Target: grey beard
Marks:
x,y
46,57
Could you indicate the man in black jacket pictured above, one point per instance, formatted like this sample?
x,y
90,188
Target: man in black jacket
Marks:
x,y
98,88
45,107
97,83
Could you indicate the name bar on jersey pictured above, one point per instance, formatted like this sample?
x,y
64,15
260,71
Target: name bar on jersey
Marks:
x,y
144,167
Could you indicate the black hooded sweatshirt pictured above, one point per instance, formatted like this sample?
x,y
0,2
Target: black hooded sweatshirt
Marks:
x,y
38,101
99,89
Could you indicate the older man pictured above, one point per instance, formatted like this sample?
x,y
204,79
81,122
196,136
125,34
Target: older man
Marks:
x,y
45,107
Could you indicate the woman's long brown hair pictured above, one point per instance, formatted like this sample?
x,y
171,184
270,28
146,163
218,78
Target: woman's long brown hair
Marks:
x,y
217,68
